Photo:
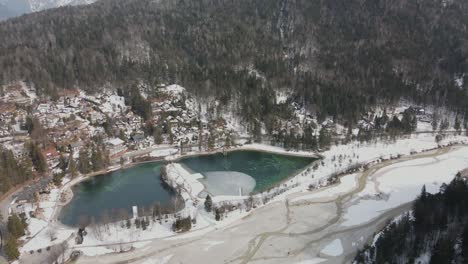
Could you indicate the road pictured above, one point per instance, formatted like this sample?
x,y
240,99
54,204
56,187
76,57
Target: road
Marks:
x,y
146,151
291,230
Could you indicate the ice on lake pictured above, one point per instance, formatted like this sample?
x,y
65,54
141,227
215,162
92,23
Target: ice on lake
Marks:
x,y
228,183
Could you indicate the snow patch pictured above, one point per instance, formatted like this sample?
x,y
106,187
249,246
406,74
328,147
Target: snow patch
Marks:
x,y
335,248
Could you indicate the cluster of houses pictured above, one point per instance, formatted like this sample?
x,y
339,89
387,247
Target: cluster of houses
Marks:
x,y
75,119
367,122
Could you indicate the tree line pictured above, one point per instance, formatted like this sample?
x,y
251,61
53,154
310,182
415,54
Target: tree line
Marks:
x,y
437,225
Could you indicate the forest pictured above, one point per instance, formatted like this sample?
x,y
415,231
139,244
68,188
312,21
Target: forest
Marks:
x,y
338,57
435,231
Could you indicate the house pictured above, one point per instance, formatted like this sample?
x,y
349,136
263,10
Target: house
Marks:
x,y
19,151
115,146
137,138
51,155
75,147
43,108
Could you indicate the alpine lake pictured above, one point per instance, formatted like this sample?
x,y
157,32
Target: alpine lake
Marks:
x,y
239,172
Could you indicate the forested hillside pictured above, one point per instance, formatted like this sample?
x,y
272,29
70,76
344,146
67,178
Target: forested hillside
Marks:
x,y
338,56
436,231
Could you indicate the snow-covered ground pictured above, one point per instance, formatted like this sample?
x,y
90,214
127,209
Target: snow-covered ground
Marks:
x,y
178,176
335,248
163,152
402,183
312,261
347,183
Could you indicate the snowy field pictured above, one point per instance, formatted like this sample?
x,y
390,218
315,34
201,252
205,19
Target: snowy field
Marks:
x,y
347,184
402,183
335,248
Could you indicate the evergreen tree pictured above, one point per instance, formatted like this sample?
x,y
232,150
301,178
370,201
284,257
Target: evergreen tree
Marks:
x,y
409,121
97,159
309,140
63,164
16,226
457,124
217,214
464,246
157,134
72,167
37,158
324,138
444,125
443,252
11,248
208,203
228,141
83,162
435,122
211,142
257,131
139,104
57,178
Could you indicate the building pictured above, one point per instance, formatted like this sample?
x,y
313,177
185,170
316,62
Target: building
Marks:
x,y
115,146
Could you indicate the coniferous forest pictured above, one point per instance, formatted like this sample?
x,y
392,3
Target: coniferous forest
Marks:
x,y
435,231
337,56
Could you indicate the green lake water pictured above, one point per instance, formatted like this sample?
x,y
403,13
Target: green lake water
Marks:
x,y
139,185
266,168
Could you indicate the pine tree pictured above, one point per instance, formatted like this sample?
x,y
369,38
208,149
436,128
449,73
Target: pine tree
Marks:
x,y
324,138
208,203
157,134
257,131
11,248
217,214
37,158
16,227
464,247
457,125
72,167
83,162
227,142
444,124
97,159
211,142
443,252
434,123
63,164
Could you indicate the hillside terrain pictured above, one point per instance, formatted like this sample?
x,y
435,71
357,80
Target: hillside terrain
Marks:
x,y
308,125
334,57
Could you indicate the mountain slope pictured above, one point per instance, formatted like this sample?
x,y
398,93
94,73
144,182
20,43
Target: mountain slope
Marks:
x,y
337,56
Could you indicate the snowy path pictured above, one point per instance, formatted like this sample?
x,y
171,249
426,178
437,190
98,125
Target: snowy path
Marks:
x,y
324,226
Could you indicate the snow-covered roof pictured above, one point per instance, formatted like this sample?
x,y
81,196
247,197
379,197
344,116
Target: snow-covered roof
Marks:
x,y
115,141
